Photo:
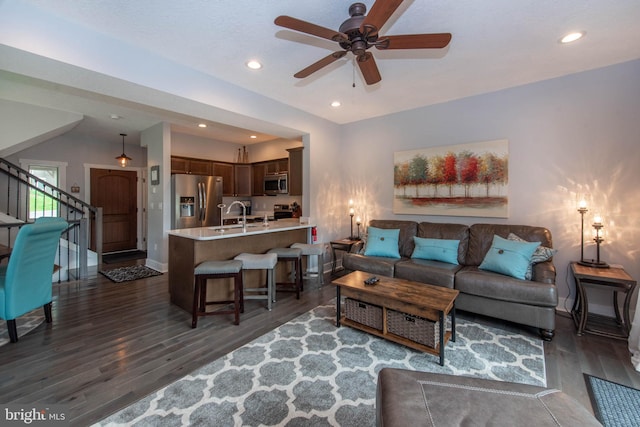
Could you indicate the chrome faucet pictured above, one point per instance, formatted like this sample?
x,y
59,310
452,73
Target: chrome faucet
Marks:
x,y
244,214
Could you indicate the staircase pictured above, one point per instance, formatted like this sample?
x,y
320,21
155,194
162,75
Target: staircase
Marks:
x,y
25,197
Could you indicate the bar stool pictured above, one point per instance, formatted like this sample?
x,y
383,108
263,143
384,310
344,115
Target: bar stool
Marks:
x,y
217,270
260,262
293,255
309,250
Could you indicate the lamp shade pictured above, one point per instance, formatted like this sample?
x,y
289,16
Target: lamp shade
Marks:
x,y
123,159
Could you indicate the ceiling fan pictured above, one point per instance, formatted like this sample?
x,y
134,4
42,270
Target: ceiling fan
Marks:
x,y
359,33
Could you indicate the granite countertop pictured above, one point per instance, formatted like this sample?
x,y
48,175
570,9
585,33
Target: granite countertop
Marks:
x,y
228,231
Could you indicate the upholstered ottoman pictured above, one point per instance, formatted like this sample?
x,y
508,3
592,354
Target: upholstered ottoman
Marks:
x,y
409,398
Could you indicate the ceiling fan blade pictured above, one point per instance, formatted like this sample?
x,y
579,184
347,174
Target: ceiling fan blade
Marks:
x,y
320,64
309,28
378,15
415,41
369,68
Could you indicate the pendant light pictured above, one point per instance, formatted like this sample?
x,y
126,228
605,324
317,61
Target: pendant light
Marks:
x,y
122,158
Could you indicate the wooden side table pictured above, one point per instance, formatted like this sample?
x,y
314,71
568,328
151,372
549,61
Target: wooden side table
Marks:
x,y
341,245
614,279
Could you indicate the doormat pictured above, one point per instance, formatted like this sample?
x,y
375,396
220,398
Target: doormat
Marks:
x,y
123,256
613,404
126,274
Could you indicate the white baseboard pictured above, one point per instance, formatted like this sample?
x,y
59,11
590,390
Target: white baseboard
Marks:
x,y
158,266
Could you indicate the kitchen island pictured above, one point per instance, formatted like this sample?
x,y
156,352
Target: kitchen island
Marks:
x,y
190,246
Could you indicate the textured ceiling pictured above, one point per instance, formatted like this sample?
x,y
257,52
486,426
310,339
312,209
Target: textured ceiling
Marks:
x,y
496,44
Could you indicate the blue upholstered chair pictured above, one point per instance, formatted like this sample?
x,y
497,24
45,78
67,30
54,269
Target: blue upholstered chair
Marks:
x,y
26,281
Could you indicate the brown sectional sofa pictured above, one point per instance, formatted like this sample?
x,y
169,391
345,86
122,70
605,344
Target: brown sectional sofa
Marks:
x,y
528,302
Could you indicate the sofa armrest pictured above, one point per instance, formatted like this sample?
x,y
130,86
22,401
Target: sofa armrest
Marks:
x,y
357,247
544,272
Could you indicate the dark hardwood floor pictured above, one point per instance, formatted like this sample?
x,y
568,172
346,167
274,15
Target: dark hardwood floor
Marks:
x,y
111,344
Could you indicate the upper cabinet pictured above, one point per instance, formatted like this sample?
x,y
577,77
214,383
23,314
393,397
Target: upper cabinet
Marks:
x,y
242,179
277,166
259,171
245,179
189,165
295,171
225,170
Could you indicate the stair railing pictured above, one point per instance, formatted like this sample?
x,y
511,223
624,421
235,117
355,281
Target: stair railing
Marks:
x,y
25,197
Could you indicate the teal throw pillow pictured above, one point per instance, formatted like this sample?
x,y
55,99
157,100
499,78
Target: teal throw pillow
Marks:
x,y
436,249
541,254
382,242
509,257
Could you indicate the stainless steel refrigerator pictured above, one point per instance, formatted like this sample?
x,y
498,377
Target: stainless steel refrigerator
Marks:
x,y
195,200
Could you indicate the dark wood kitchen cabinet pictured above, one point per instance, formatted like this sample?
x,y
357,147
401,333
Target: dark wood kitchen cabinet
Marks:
x,y
242,179
295,171
258,170
225,170
277,166
190,165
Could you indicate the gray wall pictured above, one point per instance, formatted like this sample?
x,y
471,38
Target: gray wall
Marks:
x,y
576,133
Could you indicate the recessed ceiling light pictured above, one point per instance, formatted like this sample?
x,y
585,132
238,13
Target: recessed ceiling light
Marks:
x,y
115,117
336,104
254,65
571,37
202,125
253,137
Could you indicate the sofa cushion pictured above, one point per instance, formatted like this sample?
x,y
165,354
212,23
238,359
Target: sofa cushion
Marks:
x,y
460,232
509,257
427,271
413,398
497,286
375,265
408,229
382,242
444,250
541,254
481,238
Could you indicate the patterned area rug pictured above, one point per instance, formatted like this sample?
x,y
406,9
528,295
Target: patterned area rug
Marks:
x,y
308,372
613,404
24,324
126,274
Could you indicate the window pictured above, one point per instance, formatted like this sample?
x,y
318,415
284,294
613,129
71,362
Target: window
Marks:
x,y
41,202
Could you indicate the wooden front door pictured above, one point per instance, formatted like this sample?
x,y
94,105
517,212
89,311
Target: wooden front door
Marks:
x,y
115,191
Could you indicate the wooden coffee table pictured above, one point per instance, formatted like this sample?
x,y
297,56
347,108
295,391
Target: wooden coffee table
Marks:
x,y
427,301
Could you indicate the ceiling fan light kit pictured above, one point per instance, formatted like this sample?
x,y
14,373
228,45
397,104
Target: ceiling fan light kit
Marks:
x,y
358,34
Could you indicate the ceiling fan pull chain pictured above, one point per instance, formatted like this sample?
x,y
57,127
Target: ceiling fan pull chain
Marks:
x,y
353,69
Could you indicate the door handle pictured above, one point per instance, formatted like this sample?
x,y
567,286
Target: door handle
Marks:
x,y
204,201
199,201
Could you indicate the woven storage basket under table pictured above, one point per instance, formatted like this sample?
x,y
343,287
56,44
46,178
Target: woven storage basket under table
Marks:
x,y
364,313
415,328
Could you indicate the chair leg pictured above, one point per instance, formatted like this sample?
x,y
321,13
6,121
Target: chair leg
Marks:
x,y
271,287
236,298
241,279
321,268
194,309
13,330
47,312
298,264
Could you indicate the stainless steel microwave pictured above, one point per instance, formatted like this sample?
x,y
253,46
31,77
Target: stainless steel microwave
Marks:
x,y
276,184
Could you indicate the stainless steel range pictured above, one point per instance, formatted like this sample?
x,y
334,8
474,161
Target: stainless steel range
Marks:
x,y
282,211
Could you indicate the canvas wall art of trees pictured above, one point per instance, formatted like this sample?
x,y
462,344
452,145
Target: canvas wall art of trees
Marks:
x,y
458,180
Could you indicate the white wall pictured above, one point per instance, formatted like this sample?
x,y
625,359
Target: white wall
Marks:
x,y
566,135
77,151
